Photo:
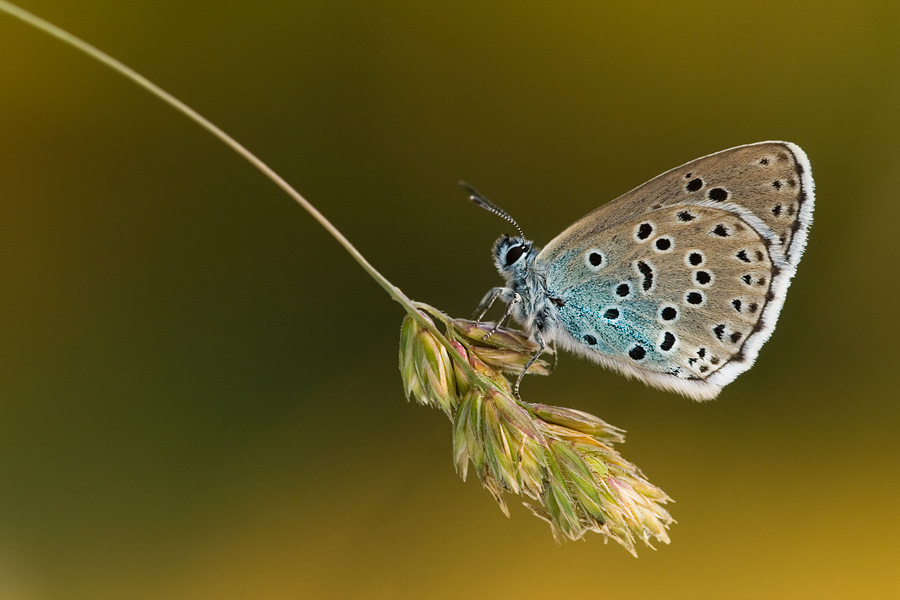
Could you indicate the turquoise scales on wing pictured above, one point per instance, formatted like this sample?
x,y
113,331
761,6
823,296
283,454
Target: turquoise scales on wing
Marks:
x,y
619,307
680,281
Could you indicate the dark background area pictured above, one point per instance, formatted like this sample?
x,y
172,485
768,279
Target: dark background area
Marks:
x,y
199,394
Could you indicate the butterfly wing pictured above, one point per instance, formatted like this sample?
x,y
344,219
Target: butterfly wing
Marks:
x,y
771,180
705,253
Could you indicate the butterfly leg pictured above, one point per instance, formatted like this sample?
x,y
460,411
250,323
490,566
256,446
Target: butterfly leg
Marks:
x,y
540,342
503,293
487,302
555,357
509,307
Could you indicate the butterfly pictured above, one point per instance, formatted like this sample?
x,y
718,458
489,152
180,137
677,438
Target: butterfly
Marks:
x,y
677,283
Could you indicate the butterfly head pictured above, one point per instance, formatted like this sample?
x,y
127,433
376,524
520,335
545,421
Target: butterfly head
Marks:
x,y
513,256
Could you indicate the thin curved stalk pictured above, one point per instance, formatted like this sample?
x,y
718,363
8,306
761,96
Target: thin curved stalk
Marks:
x,y
129,73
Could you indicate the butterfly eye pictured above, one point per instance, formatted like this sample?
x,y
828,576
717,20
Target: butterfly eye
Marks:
x,y
515,253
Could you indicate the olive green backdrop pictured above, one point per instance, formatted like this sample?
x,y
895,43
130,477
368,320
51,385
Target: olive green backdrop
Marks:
x,y
199,395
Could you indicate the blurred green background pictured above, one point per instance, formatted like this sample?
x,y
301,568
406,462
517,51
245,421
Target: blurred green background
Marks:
x,y
199,394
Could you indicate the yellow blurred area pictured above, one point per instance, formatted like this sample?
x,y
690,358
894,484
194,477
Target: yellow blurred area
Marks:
x,y
199,394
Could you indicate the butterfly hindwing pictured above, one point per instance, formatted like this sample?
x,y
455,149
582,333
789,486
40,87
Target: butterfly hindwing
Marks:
x,y
681,298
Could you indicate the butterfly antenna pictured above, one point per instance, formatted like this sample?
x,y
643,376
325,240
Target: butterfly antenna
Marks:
x,y
486,204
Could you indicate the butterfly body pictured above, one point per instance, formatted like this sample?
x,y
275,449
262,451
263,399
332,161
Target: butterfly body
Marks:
x,y
677,283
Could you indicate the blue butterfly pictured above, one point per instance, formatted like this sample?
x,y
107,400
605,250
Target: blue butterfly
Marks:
x,y
677,283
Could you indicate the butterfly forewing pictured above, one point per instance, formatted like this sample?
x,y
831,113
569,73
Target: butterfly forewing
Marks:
x,y
772,180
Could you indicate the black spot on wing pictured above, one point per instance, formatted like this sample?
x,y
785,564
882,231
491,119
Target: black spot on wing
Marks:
x,y
647,272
